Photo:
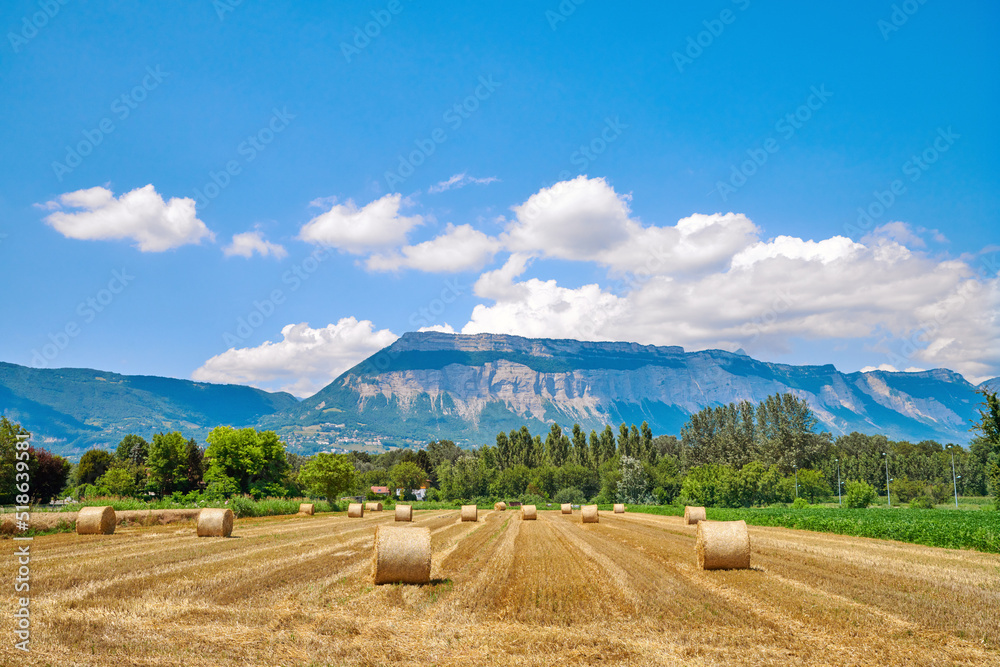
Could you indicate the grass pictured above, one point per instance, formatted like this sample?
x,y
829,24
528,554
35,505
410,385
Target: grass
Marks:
x,y
979,530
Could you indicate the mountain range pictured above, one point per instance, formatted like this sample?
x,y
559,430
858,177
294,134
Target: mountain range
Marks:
x,y
466,388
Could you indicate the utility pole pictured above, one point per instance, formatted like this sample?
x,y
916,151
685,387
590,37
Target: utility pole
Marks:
x,y
840,501
954,478
796,480
888,498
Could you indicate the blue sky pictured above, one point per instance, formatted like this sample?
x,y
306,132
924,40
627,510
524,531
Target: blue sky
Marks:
x,y
693,175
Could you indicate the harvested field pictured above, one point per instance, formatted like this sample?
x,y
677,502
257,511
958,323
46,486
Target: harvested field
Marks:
x,y
503,591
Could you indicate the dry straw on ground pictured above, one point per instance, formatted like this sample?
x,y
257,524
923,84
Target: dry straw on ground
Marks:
x,y
96,521
306,508
500,507
404,512
590,514
373,507
215,522
529,512
694,515
723,545
355,511
566,508
401,555
619,508
470,513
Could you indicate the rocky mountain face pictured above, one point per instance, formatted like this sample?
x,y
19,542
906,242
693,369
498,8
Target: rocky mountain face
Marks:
x,y
467,388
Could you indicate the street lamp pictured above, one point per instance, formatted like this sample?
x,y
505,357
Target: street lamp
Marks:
x,y
954,477
839,499
888,498
796,480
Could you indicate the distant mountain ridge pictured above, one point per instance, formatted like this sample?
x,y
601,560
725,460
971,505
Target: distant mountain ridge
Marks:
x,y
467,388
70,410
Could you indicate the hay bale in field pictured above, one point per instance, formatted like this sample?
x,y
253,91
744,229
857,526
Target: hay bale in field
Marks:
x,y
215,522
590,514
567,508
96,521
355,511
619,508
402,555
306,508
404,512
529,512
373,507
470,513
723,545
500,507
694,515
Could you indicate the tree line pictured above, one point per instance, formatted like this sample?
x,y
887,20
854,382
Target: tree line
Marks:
x,y
737,455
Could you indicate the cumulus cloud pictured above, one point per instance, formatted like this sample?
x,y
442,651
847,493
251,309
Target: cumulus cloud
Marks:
x,y
248,243
303,362
140,215
584,219
460,181
373,227
460,248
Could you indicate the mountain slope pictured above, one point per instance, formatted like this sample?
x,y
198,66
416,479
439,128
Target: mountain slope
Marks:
x,y
467,388
70,410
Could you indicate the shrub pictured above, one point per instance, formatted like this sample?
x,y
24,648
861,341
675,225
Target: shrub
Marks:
x,y
570,494
800,503
860,495
922,503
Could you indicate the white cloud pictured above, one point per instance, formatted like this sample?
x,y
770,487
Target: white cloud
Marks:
x,y
140,215
247,243
461,248
303,362
373,227
890,368
460,181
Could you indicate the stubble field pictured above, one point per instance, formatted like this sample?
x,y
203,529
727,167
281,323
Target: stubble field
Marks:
x,y
297,591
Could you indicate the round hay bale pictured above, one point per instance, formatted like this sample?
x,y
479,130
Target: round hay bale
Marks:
x,y
694,515
306,508
96,521
723,545
402,555
500,507
470,513
529,512
404,512
215,522
619,508
355,511
567,508
590,514
373,507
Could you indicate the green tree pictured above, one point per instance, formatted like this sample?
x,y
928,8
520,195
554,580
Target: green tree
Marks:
x,y
607,446
581,453
708,485
49,474
511,483
557,446
132,449
407,476
167,462
813,485
328,475
633,487
92,465
570,494
246,455
119,480
505,454
989,428
859,495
